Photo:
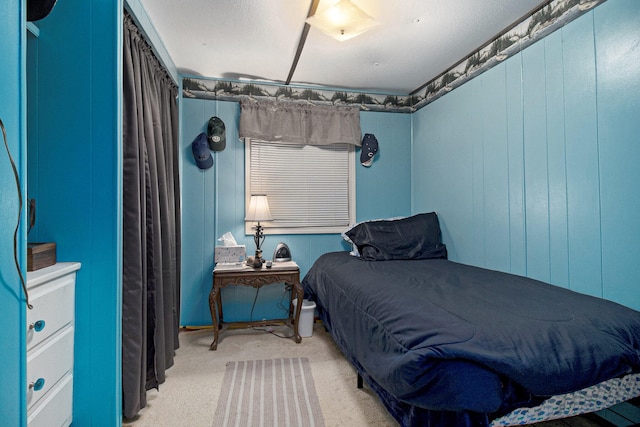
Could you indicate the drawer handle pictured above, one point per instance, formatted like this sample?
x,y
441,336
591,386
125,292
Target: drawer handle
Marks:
x,y
37,385
37,326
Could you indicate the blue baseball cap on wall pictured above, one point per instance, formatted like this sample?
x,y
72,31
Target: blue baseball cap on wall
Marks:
x,y
201,152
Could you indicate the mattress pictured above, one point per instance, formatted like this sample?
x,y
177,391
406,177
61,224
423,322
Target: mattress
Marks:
x,y
464,343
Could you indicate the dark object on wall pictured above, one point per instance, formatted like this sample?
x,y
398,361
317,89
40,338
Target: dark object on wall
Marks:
x,y
369,149
201,153
31,213
40,255
39,9
216,134
282,253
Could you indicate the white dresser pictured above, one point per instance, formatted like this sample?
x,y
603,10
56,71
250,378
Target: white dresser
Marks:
x,y
50,331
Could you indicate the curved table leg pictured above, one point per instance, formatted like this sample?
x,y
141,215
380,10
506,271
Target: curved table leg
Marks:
x,y
213,300
299,295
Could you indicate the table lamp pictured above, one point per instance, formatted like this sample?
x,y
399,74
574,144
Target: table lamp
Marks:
x,y
258,211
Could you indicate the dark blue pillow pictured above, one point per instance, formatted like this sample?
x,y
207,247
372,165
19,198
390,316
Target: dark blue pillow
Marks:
x,y
414,237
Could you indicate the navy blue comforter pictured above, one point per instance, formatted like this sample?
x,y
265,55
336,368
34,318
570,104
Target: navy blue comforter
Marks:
x,y
444,336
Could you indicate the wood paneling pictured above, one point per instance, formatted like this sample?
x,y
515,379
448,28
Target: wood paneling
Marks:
x,y
213,204
532,166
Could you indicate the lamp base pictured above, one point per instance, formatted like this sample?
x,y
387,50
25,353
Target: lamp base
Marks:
x,y
256,261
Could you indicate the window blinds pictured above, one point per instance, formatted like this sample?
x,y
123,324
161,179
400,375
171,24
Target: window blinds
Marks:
x,y
307,185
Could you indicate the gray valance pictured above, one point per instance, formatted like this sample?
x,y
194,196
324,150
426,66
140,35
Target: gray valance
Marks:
x,y
299,123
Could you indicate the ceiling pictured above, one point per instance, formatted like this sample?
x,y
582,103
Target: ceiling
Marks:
x,y
258,40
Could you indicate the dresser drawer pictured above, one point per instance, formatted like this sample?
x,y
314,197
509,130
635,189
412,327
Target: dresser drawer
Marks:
x,y
56,408
48,363
53,308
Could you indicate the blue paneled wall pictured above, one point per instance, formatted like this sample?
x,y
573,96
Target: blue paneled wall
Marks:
x,y
74,163
74,129
213,204
532,166
13,395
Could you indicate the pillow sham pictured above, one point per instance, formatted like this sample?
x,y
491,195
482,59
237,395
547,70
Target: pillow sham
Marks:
x,y
414,237
354,247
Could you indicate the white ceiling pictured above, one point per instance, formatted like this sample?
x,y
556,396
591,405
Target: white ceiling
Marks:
x,y
258,39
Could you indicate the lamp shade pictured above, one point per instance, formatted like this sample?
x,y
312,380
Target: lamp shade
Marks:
x,y
258,209
342,21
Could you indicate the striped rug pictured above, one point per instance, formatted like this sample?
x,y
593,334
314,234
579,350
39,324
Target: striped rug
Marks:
x,y
264,393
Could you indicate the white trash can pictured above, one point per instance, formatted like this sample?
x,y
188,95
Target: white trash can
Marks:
x,y
307,313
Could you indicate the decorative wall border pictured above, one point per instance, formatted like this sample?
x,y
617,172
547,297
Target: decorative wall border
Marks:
x,y
541,23
227,90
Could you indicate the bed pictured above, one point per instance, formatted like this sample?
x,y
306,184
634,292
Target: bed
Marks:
x,y
447,344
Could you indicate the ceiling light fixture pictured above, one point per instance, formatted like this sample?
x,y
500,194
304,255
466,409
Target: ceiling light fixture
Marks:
x,y
342,21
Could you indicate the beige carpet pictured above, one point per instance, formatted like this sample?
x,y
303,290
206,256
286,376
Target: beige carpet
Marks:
x,y
189,396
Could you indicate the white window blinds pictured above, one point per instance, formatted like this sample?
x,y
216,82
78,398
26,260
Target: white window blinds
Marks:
x,y
309,188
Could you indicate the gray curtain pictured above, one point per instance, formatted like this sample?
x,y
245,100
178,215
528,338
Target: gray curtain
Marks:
x,y
151,221
299,123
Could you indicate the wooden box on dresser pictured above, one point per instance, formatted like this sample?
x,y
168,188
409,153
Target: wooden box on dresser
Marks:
x,y
50,332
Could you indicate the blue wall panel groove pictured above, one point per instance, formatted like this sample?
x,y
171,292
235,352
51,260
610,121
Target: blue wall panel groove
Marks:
x,y
535,163
556,160
515,150
495,172
582,157
474,133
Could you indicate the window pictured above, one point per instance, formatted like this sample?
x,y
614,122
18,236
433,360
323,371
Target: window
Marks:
x,y
311,188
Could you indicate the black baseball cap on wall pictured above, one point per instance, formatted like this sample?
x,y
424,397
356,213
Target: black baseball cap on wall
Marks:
x,y
369,149
216,134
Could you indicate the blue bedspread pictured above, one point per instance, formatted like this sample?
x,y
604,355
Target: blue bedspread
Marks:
x,y
443,336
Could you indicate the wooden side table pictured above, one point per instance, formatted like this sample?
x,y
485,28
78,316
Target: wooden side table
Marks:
x,y
281,272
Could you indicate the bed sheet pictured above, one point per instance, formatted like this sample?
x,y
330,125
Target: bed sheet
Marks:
x,y
590,399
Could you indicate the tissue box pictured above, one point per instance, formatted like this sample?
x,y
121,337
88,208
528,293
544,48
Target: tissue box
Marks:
x,y
230,254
